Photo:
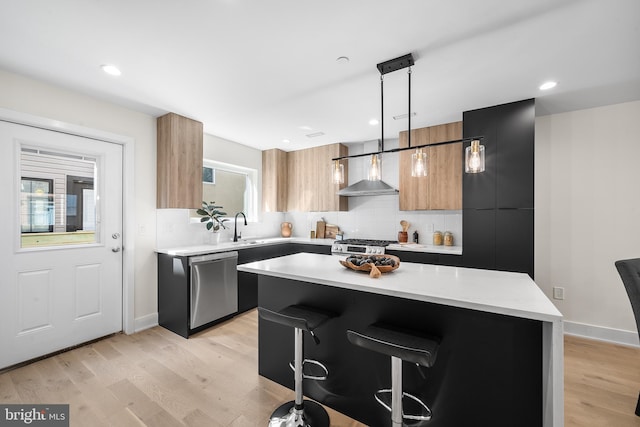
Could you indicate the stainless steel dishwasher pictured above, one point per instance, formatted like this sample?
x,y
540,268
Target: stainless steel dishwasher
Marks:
x,y
214,287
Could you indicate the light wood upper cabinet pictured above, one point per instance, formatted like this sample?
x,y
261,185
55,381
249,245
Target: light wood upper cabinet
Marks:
x,y
179,162
326,194
307,174
442,187
274,180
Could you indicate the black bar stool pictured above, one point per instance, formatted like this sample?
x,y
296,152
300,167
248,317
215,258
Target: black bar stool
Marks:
x,y
303,413
401,345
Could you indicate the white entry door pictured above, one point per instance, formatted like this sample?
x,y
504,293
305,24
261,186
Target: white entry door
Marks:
x,y
60,241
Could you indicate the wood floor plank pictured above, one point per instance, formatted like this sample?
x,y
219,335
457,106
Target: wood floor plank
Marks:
x,y
156,378
28,384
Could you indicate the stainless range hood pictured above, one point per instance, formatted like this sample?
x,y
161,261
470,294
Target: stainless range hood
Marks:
x,y
368,188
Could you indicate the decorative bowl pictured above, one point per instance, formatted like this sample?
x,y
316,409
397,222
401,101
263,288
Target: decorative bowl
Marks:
x,y
367,263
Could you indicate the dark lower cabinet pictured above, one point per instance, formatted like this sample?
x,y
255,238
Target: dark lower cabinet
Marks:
x,y
498,239
514,240
247,291
479,244
173,293
417,257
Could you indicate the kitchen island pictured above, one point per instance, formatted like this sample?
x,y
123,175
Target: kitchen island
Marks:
x,y
500,361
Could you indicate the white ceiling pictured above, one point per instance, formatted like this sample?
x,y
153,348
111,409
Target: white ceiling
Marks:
x,y
258,72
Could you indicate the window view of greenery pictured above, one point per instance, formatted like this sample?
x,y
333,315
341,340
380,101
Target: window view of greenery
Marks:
x,y
57,199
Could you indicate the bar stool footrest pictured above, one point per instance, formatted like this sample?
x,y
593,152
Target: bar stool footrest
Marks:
x,y
309,376
426,412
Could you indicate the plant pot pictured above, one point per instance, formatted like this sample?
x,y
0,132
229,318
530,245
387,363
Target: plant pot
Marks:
x,y
212,237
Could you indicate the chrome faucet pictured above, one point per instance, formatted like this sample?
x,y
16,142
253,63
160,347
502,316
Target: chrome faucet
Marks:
x,y
235,226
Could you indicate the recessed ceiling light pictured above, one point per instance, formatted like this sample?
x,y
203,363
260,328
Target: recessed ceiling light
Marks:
x,y
111,69
305,127
286,141
342,59
374,122
548,85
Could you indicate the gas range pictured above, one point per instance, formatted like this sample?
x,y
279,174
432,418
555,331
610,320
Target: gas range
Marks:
x,y
359,246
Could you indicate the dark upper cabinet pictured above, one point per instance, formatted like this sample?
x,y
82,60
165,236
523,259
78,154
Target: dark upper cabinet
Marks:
x,y
479,189
515,133
509,132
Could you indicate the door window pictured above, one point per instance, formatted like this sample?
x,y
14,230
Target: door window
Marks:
x,y
57,198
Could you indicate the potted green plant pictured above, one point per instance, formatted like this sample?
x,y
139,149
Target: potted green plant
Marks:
x,y
213,216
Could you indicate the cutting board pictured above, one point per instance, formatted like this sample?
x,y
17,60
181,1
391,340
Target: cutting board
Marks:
x,y
320,229
331,231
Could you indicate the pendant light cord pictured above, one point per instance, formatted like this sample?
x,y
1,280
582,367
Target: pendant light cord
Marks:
x,y
381,144
409,116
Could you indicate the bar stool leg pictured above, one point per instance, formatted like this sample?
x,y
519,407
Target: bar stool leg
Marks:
x,y
299,413
298,360
396,391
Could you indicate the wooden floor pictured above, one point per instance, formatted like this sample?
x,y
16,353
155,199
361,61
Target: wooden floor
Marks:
x,y
156,378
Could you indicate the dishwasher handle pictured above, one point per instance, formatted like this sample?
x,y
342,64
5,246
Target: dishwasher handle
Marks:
x,y
212,257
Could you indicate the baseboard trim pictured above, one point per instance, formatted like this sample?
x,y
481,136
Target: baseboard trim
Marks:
x,y
617,336
145,322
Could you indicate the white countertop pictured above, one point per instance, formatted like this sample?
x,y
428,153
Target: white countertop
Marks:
x,y
242,244
512,294
247,243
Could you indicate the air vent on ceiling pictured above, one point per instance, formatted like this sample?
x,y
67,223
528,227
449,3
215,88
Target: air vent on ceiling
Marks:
x,y
315,134
403,116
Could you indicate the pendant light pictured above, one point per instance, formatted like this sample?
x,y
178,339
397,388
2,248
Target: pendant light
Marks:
x,y
474,157
474,154
338,172
375,168
419,163
419,158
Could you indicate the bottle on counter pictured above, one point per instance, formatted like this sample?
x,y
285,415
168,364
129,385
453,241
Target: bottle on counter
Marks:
x,y
437,238
415,236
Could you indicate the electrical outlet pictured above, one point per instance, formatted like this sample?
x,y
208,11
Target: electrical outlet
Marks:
x,y
558,293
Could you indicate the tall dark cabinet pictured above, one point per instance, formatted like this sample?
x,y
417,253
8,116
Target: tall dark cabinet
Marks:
x,y
498,205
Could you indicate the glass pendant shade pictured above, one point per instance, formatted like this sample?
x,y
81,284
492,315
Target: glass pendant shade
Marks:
x,y
474,158
419,163
338,172
375,171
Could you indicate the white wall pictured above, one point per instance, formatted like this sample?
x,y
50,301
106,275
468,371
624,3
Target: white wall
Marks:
x,y
25,95
587,189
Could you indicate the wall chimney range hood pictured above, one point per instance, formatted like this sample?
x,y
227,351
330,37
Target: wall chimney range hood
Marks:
x,y
367,188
